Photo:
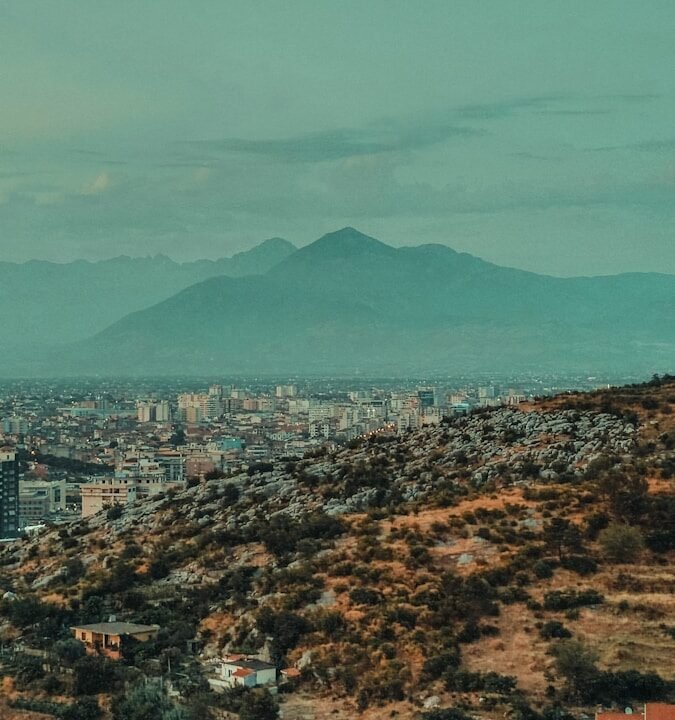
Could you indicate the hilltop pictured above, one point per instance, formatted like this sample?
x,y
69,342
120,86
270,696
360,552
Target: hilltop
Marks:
x,y
350,303
513,561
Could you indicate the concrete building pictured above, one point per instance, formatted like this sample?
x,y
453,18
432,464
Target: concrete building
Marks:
x,y
105,492
107,638
243,671
14,425
40,498
153,411
33,507
9,494
286,391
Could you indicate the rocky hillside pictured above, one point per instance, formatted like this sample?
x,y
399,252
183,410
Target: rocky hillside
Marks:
x,y
516,560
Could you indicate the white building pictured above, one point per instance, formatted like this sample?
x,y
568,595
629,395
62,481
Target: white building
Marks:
x,y
243,671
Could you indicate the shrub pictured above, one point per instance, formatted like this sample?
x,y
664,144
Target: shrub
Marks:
x,y
554,629
86,708
115,512
364,596
580,564
258,705
621,543
445,714
568,599
146,702
94,675
542,569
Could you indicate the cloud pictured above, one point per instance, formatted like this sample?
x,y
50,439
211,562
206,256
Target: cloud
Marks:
x,y
100,184
392,135
341,143
657,145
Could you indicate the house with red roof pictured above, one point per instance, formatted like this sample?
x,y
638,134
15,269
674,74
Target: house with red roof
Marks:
x,y
244,671
651,711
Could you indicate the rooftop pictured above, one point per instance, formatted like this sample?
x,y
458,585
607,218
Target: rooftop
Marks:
x,y
116,628
242,661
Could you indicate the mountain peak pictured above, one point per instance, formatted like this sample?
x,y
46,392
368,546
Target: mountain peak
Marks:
x,y
277,242
346,242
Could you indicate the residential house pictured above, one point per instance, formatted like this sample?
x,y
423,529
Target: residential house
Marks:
x,y
244,671
106,638
651,711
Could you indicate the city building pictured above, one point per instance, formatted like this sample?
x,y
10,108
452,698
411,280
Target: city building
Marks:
x,y
105,492
286,391
40,498
14,425
9,494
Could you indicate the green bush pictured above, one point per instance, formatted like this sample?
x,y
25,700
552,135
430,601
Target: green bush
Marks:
x,y
554,629
621,543
568,599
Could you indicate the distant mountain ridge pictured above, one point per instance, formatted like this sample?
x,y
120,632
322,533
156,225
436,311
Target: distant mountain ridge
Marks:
x,y
44,302
349,303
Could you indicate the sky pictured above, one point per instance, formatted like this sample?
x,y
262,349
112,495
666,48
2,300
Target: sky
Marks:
x,y
534,134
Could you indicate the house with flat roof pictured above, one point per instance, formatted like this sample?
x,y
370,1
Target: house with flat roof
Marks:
x,y
106,638
243,671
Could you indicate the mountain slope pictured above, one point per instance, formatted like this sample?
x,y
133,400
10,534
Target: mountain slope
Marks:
x,y
449,562
351,303
43,302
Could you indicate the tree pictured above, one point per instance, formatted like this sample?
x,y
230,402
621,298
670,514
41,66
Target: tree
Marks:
x,y
258,705
621,543
576,663
74,570
625,493
560,535
69,651
94,675
147,702
86,708
178,437
115,512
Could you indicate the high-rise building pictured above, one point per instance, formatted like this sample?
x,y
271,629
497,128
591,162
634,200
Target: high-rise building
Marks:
x,y
9,494
286,391
426,397
162,411
15,425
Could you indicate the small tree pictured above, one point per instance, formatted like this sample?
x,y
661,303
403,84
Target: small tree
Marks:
x,y
621,543
576,663
258,705
86,708
561,535
69,651
146,702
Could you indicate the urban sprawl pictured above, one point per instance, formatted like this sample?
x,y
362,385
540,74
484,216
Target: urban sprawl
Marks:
x,y
72,449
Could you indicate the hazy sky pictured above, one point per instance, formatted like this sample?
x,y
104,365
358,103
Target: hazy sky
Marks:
x,y
534,134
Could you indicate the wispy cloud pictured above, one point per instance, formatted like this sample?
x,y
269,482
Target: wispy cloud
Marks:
x,y
341,143
657,145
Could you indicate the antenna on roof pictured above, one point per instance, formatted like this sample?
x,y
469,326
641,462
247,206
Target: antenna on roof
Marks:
x,y
628,710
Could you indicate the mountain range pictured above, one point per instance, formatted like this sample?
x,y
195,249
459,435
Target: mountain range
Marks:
x,y
350,303
47,303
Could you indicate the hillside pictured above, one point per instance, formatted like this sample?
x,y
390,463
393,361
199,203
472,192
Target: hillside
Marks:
x,y
515,561
44,303
349,303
